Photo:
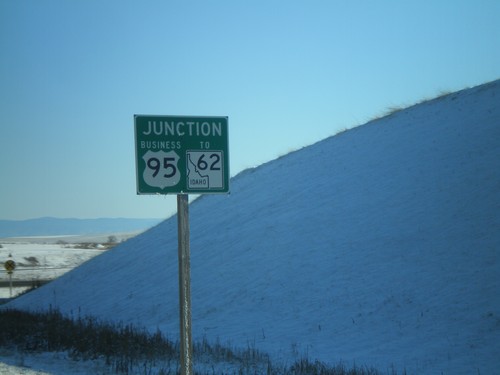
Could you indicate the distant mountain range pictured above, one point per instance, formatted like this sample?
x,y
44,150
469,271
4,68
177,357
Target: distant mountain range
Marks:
x,y
50,226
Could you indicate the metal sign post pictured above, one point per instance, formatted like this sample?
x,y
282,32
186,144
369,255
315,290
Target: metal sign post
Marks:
x,y
182,155
184,285
10,284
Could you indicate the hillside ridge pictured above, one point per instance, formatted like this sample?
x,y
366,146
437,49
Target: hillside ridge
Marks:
x,y
51,226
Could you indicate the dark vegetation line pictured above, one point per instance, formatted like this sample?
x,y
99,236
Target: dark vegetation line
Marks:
x,y
128,350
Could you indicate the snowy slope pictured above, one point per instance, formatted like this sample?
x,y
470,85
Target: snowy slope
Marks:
x,y
378,246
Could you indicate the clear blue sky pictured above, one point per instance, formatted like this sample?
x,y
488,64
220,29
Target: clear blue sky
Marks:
x,y
286,73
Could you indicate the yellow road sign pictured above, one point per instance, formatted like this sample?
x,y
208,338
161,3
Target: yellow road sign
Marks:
x,y
10,265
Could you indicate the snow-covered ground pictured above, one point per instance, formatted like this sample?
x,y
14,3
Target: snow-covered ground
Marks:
x,y
15,363
379,246
39,261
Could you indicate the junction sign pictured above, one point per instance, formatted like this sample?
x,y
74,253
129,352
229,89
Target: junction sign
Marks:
x,y
181,154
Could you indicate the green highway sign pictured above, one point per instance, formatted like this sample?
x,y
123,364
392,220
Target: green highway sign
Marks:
x,y
181,154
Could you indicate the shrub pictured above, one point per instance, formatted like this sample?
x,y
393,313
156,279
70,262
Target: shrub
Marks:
x,y
128,350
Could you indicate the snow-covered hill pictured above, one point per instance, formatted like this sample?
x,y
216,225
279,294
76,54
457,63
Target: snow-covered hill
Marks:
x,y
378,246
